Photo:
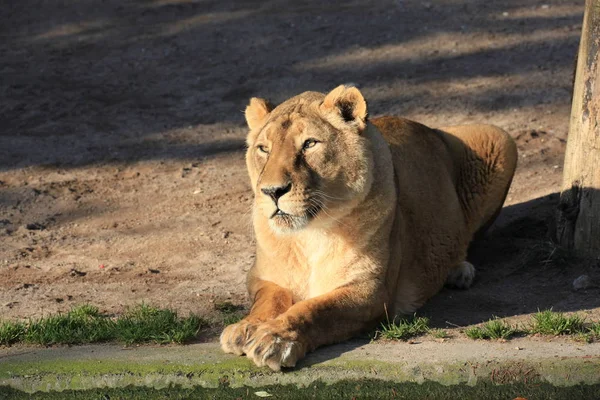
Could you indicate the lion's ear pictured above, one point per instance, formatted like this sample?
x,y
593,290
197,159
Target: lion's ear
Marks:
x,y
256,112
349,103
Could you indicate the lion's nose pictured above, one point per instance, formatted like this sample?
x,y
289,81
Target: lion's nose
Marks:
x,y
275,192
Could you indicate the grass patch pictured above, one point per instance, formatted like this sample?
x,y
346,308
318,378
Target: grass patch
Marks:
x,y
85,324
402,328
474,333
439,333
230,312
549,322
148,324
594,329
591,334
82,324
11,332
492,329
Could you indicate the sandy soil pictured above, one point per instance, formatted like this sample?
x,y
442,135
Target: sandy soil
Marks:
x,y
121,138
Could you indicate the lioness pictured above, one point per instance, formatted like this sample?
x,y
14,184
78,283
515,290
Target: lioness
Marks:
x,y
354,217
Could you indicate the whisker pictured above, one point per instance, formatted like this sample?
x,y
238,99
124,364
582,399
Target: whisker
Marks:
x,y
324,208
327,196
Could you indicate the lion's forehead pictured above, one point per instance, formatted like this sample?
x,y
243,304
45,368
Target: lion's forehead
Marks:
x,y
291,125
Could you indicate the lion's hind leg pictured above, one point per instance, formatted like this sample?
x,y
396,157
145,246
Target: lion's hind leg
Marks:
x,y
486,158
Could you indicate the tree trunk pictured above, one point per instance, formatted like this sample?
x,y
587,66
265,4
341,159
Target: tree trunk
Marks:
x,y
578,225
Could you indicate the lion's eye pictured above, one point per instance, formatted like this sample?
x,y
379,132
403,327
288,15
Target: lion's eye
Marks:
x,y
262,149
309,143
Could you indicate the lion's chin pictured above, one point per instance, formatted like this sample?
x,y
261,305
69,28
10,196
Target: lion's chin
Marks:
x,y
285,224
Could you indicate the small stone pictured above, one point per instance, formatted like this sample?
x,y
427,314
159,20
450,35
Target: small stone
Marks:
x,y
226,234
35,226
518,348
25,286
583,282
505,14
185,171
153,271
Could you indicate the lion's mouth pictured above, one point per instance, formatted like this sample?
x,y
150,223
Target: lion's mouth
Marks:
x,y
280,213
310,213
286,221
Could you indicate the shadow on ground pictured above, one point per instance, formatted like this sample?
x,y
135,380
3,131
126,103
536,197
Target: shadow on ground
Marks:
x,y
110,82
520,270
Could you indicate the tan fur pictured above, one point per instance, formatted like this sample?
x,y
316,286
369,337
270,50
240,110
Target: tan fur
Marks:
x,y
373,216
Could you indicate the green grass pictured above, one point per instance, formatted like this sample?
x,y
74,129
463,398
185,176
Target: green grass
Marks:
x,y
85,324
474,333
545,322
594,329
492,329
230,312
549,322
591,333
80,325
11,332
402,329
147,324
439,333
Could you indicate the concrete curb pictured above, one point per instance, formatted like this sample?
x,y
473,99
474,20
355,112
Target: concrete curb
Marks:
x,y
470,363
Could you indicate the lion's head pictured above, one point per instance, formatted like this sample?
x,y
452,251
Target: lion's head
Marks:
x,y
308,160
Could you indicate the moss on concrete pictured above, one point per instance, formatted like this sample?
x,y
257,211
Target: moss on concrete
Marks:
x,y
347,389
205,366
60,375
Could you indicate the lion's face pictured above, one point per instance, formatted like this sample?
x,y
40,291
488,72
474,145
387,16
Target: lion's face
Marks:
x,y
308,163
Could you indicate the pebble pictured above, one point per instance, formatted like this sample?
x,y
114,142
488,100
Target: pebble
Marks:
x,y
75,272
36,226
583,282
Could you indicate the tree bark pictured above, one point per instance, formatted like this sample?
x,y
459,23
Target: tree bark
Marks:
x,y
578,224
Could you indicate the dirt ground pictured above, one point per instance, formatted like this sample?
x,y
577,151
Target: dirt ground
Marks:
x,y
122,177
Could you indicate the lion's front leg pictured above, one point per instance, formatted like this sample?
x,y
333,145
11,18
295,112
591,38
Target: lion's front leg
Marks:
x,y
308,324
270,300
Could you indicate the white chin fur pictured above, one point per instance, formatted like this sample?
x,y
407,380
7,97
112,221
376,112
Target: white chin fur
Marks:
x,y
291,225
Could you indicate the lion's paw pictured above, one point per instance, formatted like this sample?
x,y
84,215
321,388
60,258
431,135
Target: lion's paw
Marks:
x,y
234,337
461,277
274,347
